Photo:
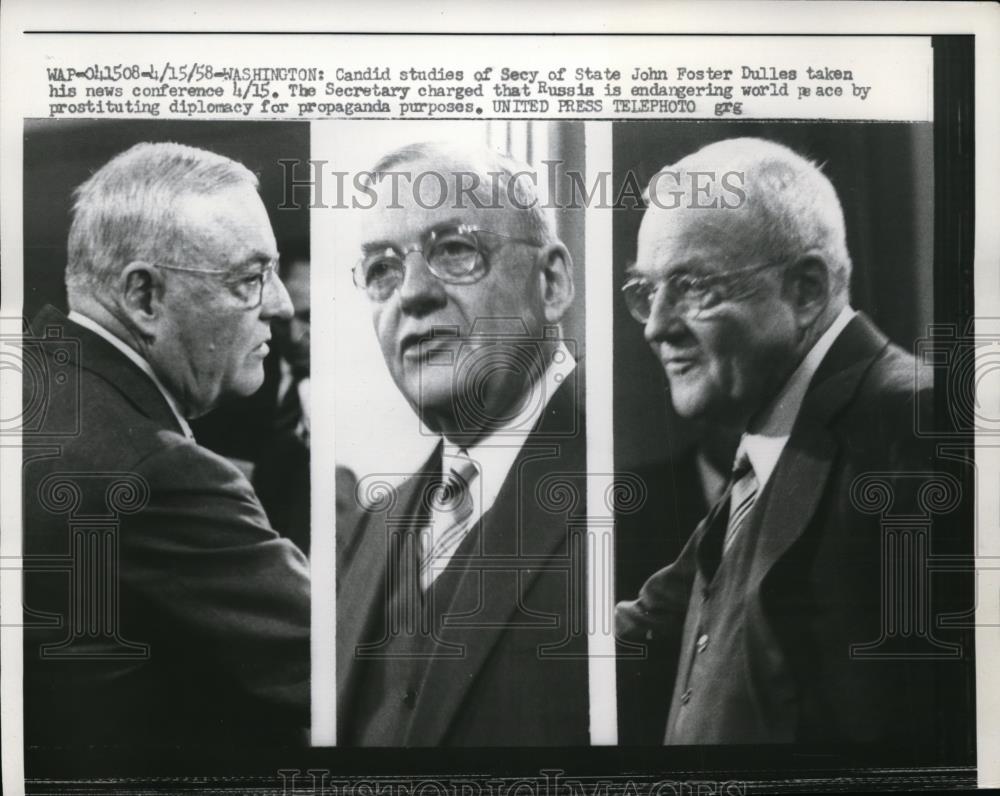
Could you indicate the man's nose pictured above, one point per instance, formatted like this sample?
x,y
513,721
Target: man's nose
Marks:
x,y
276,303
420,290
666,321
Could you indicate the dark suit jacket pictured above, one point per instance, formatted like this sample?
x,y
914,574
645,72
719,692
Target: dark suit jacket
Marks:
x,y
645,540
510,666
160,606
815,588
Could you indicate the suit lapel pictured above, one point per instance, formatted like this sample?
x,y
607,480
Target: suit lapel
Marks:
x,y
794,491
519,528
98,356
802,471
363,592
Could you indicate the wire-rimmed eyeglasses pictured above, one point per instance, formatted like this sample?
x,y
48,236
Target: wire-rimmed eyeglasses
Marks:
x,y
456,255
247,287
691,294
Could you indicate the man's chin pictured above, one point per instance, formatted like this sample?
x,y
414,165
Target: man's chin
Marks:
x,y
249,384
689,405
435,410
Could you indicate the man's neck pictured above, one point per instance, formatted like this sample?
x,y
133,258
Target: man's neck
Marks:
x,y
80,317
558,362
107,320
766,438
810,338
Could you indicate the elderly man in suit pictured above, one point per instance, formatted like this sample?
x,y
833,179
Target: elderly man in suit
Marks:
x,y
777,601
182,617
459,603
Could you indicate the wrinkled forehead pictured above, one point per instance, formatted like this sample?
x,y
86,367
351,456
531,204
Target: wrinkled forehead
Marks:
x,y
681,237
230,226
418,196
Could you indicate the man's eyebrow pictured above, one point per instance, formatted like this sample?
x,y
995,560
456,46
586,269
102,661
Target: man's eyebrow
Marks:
x,y
259,257
691,264
449,223
377,245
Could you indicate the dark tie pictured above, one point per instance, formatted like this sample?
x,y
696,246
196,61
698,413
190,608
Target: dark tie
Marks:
x,y
741,498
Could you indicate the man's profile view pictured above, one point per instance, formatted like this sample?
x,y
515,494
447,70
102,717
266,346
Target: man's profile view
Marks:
x,y
771,602
184,618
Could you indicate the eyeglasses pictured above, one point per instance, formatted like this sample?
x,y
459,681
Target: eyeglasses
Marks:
x,y
455,255
691,294
248,288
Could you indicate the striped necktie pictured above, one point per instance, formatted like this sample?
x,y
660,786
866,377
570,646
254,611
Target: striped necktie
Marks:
x,y
742,496
451,512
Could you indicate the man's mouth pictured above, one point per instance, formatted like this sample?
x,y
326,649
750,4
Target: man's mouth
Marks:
x,y
416,346
678,365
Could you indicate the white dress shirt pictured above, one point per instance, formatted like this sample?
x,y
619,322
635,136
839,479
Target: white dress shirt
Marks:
x,y
495,455
770,434
139,361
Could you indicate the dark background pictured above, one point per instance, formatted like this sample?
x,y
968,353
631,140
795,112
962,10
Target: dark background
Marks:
x,y
906,194
881,174
884,176
752,768
61,154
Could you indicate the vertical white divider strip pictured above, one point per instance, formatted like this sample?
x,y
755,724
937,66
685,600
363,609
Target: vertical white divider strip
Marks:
x,y
323,221
598,253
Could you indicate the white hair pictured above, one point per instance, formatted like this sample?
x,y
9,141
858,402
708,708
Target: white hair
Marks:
x,y
790,206
499,180
125,212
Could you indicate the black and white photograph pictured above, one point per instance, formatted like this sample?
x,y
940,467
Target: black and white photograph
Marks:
x,y
779,585
460,573
166,472
642,440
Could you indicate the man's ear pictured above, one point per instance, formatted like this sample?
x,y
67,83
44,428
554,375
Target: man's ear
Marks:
x,y
808,287
141,287
555,275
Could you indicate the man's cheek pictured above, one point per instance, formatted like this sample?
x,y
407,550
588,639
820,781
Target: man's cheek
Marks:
x,y
385,334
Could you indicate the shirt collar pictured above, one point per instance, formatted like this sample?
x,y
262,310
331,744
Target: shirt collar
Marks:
x,y
139,361
765,444
495,455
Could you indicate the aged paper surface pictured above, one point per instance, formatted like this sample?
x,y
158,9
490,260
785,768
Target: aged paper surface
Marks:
x,y
214,609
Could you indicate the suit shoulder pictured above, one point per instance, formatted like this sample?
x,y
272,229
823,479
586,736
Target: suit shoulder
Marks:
x,y
365,502
896,378
894,401
180,462
98,428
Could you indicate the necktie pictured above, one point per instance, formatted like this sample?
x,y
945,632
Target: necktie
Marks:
x,y
741,497
451,514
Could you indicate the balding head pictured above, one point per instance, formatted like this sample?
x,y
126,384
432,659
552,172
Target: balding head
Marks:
x,y
775,203
741,267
